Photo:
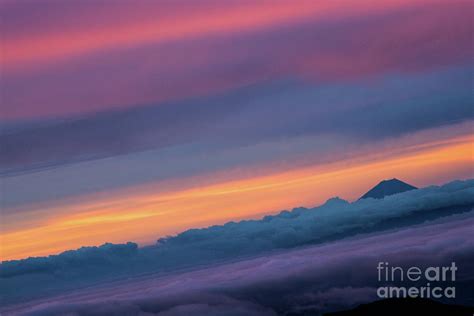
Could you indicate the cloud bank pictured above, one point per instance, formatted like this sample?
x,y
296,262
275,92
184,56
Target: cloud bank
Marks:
x,y
312,280
335,220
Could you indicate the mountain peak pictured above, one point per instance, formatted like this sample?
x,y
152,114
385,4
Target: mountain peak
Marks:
x,y
388,187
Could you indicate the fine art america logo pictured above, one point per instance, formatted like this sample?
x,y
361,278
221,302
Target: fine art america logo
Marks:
x,y
428,276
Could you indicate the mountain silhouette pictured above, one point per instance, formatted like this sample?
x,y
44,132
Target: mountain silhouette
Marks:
x,y
386,188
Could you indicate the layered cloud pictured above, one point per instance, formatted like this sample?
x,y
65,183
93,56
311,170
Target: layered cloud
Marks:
x,y
335,220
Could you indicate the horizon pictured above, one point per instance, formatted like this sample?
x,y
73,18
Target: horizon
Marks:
x,y
258,217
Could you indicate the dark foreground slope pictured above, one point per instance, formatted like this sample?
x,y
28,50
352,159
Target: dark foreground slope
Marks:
x,y
406,306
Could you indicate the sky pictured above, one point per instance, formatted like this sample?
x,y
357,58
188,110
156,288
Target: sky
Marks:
x,y
137,120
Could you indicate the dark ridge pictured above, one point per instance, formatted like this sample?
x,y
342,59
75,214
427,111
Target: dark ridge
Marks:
x,y
406,306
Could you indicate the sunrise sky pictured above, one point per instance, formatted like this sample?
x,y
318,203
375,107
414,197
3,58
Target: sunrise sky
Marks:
x,y
133,120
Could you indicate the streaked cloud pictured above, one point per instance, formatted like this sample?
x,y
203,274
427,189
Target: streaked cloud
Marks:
x,y
360,112
322,41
